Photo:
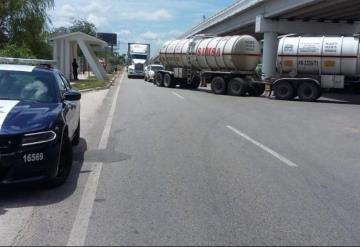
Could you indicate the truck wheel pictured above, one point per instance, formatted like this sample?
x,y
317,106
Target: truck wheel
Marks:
x,y
256,89
309,91
218,85
283,90
159,80
238,87
168,81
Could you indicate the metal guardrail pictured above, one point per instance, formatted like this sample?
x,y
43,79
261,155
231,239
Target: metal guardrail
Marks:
x,y
25,61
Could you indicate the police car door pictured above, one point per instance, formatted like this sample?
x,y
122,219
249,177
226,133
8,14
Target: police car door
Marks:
x,y
76,113
69,106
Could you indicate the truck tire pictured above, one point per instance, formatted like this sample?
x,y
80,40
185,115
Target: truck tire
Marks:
x,y
238,87
256,89
168,81
309,91
218,85
284,90
159,80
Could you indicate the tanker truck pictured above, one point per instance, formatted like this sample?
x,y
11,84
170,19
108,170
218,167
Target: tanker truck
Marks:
x,y
308,65
228,63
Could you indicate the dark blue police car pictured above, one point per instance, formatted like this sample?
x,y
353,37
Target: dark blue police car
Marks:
x,y
39,123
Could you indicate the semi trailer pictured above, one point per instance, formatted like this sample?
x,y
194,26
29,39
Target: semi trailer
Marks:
x,y
306,66
228,63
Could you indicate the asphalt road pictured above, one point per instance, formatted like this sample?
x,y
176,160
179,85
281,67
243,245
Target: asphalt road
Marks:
x,y
182,167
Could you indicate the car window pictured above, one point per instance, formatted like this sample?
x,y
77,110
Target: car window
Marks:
x,y
61,83
66,82
34,86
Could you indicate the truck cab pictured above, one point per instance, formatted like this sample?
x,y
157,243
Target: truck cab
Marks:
x,y
138,56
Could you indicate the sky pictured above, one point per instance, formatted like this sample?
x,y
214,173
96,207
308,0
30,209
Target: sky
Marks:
x,y
146,21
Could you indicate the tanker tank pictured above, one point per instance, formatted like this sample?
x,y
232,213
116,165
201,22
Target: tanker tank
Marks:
x,y
319,56
230,53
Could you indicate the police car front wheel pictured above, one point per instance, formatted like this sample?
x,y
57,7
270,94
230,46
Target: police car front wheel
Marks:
x,y
76,138
65,164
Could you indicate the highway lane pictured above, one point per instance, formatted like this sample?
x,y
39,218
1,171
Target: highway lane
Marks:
x,y
189,179
183,167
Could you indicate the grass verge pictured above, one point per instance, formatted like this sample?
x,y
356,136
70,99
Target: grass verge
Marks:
x,y
93,83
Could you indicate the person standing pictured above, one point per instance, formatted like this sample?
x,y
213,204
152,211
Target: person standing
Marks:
x,y
75,67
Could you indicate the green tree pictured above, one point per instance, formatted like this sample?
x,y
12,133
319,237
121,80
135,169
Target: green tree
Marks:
x,y
23,24
59,30
78,25
82,25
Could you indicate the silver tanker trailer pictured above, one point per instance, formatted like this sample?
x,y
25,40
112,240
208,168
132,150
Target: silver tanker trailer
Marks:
x,y
228,63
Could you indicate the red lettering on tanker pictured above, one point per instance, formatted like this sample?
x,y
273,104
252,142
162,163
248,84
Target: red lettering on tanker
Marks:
x,y
208,52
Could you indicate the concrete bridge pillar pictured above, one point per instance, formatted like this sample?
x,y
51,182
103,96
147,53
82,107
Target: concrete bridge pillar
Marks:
x,y
269,54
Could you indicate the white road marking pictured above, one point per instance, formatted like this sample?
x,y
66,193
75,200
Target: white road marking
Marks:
x,y
81,223
263,147
178,95
106,133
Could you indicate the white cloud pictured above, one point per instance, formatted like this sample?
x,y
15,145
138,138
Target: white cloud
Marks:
x,y
63,15
159,15
94,12
97,20
124,32
149,35
96,7
162,15
175,33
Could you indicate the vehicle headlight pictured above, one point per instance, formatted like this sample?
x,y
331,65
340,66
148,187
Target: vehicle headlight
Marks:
x,y
38,138
152,73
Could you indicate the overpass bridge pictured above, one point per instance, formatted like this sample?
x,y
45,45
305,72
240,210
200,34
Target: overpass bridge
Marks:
x,y
268,19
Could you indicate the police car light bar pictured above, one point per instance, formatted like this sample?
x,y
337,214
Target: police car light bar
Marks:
x,y
25,61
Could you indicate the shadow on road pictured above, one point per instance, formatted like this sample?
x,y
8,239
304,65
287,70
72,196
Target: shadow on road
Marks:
x,y
36,195
339,98
329,98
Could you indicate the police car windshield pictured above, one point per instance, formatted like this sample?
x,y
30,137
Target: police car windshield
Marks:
x,y
27,86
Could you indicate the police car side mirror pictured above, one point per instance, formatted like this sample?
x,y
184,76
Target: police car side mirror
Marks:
x,y
72,95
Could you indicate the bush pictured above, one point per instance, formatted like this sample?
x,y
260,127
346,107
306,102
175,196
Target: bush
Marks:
x,y
12,50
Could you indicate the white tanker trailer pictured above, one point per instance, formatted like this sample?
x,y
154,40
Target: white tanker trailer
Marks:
x,y
228,63
306,65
